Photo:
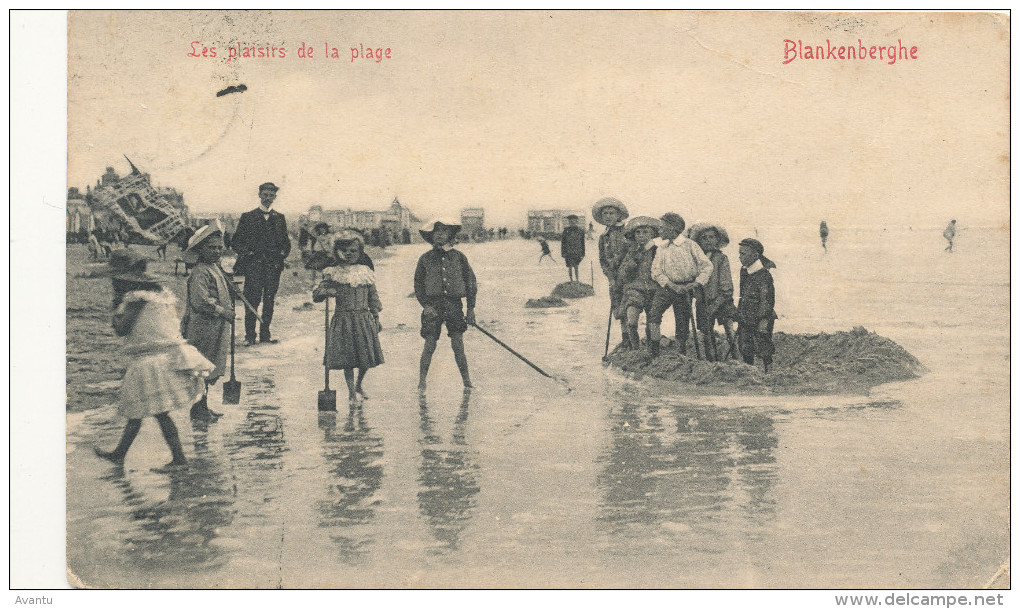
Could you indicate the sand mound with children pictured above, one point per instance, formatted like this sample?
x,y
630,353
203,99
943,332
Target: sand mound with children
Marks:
x,y
804,364
573,289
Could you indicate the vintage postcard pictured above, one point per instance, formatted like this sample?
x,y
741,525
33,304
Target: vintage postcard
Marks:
x,y
538,299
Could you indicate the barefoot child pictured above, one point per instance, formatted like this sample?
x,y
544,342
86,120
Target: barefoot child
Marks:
x,y
442,280
354,330
210,310
635,274
165,372
545,250
757,304
718,299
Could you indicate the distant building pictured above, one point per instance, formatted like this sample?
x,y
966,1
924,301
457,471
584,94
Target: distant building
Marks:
x,y
394,219
551,222
472,222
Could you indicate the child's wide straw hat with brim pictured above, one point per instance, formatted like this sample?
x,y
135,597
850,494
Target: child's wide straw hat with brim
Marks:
x,y
640,221
601,204
699,227
430,227
202,235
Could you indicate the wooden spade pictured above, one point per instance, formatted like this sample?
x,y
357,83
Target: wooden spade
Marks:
x,y
327,397
232,388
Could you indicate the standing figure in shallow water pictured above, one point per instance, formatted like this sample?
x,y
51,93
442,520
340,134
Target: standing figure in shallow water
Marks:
x,y
165,372
210,310
354,330
572,246
823,232
950,234
442,281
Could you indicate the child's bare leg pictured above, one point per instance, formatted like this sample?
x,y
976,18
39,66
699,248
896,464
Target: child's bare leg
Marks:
x,y
426,361
633,316
173,440
349,377
361,378
126,438
457,342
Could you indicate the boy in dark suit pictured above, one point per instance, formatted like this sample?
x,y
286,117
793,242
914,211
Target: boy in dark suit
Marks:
x,y
757,307
262,244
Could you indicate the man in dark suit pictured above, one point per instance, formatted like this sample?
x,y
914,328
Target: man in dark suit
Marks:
x,y
262,243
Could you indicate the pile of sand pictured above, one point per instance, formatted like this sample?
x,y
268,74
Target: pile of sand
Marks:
x,y
545,302
843,362
573,289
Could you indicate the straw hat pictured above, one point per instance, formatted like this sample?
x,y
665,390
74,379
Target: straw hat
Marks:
x,y
640,221
430,227
699,227
203,234
601,204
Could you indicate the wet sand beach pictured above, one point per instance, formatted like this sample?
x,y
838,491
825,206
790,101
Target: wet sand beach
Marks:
x,y
617,483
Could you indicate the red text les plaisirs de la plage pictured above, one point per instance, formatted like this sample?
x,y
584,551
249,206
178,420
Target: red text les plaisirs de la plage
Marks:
x,y
889,53
267,51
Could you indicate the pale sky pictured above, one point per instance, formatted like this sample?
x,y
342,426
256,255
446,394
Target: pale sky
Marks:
x,y
690,112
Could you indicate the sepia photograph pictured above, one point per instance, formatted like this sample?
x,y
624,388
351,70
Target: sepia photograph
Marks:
x,y
539,299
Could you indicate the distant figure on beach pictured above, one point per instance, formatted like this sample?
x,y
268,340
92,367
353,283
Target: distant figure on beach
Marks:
x,y
823,232
209,310
572,246
545,250
165,372
442,281
635,275
757,306
354,330
950,234
718,301
613,246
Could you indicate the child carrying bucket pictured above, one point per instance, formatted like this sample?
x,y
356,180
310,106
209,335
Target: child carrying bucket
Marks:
x,y
353,341
165,373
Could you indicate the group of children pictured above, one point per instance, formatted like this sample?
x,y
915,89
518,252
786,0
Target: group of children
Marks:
x,y
176,360
651,266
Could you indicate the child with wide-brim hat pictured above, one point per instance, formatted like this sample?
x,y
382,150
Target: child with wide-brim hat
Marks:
x,y
209,313
635,276
165,373
718,299
443,280
613,246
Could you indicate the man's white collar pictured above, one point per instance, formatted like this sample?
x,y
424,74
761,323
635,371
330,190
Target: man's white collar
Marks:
x,y
755,267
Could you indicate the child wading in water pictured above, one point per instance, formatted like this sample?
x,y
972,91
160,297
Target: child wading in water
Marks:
x,y
718,298
635,275
757,304
165,372
442,281
210,310
354,330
